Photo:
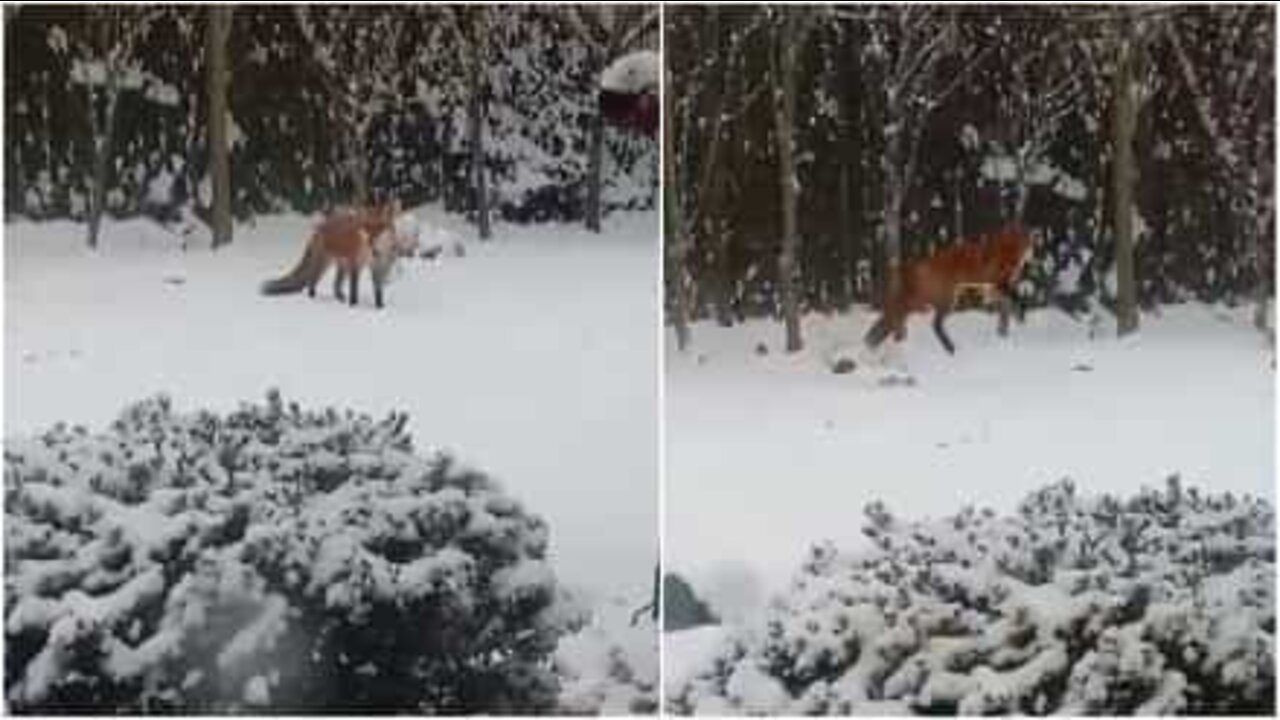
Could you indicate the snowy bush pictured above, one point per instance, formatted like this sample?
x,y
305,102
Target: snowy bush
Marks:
x,y
610,667
272,558
1159,603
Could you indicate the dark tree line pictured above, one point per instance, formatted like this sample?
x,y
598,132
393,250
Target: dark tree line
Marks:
x,y
486,109
816,149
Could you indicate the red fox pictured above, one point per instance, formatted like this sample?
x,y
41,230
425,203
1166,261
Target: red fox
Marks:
x,y
352,239
990,265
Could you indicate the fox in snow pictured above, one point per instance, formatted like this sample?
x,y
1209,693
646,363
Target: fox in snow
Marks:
x,y
990,265
352,239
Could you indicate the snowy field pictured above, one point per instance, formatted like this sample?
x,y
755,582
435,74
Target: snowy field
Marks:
x,y
533,356
768,454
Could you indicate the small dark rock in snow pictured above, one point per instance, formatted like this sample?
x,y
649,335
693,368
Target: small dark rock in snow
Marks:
x,y
175,280
843,366
897,380
432,252
1082,367
762,349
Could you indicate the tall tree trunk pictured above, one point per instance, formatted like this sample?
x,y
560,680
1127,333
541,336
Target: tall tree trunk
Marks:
x,y
894,199
1022,187
104,130
1123,176
475,116
851,180
595,172
850,189
957,198
1262,250
843,291
358,149
784,56
712,209
677,244
706,221
98,193
218,31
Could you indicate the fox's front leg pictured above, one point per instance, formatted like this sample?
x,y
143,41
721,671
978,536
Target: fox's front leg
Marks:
x,y
355,286
940,314
338,275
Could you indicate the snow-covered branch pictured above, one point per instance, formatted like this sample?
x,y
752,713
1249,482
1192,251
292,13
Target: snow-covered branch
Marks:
x,y
1223,147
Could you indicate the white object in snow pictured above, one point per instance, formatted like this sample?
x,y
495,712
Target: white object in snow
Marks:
x,y
632,73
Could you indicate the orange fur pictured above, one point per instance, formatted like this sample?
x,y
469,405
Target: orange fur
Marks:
x,y
346,238
990,263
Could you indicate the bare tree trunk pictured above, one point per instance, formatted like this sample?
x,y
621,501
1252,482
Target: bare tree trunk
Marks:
x,y
851,178
895,191
712,200
97,193
219,30
844,243
1123,175
595,172
104,131
475,116
359,152
784,76
1023,188
677,247
1263,255
706,221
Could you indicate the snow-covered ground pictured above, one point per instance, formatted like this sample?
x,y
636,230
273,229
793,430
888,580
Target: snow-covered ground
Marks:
x,y
768,454
533,356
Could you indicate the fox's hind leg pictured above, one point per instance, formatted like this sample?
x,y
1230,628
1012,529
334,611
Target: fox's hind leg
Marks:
x,y
878,332
378,274
940,314
1008,300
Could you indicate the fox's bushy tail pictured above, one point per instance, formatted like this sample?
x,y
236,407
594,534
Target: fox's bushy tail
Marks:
x,y
303,275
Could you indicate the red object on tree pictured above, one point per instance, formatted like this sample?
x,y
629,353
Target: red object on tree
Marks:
x,y
629,92
632,111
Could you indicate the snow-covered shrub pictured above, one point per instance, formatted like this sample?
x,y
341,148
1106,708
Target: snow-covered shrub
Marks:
x,y
1159,603
271,558
611,666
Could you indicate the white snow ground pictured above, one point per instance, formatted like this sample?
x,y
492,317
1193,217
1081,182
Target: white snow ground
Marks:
x,y
768,454
533,357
